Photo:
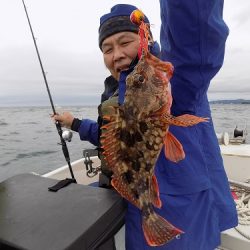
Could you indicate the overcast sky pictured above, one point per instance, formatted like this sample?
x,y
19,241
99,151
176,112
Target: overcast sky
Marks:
x,y
67,35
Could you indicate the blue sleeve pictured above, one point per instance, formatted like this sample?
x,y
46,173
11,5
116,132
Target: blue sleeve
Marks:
x,y
193,36
88,131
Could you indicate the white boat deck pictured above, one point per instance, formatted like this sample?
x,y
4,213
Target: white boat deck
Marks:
x,y
236,160
79,171
237,165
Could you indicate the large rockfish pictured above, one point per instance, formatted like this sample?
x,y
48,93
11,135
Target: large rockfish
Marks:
x,y
135,134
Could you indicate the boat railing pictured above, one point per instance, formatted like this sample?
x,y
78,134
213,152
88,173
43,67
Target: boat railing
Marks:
x,y
91,170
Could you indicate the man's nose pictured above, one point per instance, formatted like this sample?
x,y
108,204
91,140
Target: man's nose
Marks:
x,y
118,54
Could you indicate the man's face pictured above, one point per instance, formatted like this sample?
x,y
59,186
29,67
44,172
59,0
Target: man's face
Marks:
x,y
119,50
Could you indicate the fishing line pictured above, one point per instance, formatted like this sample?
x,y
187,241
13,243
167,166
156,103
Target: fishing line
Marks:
x,y
67,181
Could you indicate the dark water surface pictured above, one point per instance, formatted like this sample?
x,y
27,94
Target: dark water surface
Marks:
x,y
28,137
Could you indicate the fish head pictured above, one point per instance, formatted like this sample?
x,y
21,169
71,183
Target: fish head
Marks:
x,y
147,86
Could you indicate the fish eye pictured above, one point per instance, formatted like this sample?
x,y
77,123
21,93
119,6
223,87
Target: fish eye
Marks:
x,y
141,78
138,80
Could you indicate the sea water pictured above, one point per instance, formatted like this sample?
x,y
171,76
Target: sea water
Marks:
x,y
29,141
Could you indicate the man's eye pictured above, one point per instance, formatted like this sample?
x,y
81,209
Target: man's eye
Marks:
x,y
126,42
107,51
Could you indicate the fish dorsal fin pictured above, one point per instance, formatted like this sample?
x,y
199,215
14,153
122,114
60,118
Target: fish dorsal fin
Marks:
x,y
110,136
154,193
173,148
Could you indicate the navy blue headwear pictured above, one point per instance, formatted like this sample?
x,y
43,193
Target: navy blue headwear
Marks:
x,y
118,20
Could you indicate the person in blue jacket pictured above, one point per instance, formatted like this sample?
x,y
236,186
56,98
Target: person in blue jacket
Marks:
x,y
194,192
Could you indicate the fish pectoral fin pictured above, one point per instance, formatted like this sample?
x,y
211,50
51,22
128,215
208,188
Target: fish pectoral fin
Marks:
x,y
157,230
173,148
183,120
160,111
154,193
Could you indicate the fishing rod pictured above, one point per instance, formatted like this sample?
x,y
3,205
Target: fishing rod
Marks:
x,y
67,181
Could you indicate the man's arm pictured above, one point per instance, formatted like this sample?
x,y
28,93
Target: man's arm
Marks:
x,y
87,129
193,36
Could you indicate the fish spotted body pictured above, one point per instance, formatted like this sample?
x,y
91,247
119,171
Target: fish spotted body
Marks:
x,y
134,136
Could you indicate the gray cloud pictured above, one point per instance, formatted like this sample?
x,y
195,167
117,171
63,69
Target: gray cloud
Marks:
x,y
67,41
70,75
242,16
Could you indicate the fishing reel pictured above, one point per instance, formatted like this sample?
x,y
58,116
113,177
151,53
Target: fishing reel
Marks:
x,y
67,135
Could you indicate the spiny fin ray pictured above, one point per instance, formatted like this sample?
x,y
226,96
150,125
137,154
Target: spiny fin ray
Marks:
x,y
154,193
183,120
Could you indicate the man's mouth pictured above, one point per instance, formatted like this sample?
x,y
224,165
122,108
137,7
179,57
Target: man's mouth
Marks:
x,y
124,68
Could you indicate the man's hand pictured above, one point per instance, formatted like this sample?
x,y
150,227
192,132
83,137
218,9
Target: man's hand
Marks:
x,y
65,119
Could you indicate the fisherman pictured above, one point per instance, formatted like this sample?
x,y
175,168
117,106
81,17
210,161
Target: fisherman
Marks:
x,y
194,192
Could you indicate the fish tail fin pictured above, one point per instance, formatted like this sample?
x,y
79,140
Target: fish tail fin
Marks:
x,y
157,230
173,148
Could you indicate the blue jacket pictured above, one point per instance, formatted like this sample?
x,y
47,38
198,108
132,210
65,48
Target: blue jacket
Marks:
x,y
193,36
